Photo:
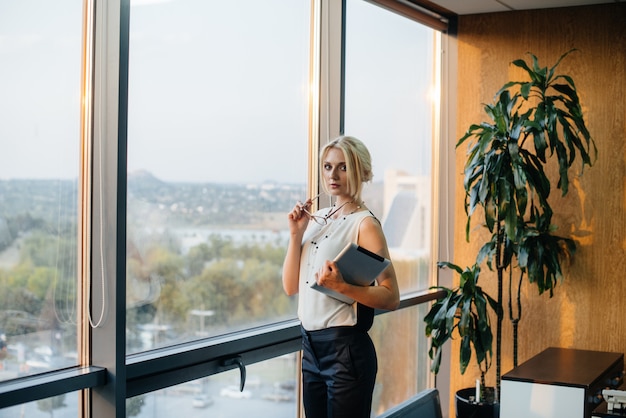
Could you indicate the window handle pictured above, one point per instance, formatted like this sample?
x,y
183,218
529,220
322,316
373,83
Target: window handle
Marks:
x,y
229,362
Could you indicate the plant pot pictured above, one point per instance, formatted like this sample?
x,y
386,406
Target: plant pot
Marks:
x,y
467,407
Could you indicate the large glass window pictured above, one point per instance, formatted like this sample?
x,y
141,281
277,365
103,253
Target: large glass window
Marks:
x,y
40,123
403,364
218,135
217,142
390,92
270,392
61,406
390,97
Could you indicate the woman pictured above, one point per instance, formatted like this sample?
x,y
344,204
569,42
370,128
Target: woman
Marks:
x,y
339,362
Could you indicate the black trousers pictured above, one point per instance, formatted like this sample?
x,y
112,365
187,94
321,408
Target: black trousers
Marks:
x,y
339,368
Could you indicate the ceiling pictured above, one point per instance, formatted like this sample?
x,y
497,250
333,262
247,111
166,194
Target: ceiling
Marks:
x,y
463,7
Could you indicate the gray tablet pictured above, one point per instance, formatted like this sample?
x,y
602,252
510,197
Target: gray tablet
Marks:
x,y
358,266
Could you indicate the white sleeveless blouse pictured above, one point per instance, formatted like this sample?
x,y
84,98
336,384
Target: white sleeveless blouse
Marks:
x,y
320,243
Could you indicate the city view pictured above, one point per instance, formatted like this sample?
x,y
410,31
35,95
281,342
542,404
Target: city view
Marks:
x,y
218,147
203,260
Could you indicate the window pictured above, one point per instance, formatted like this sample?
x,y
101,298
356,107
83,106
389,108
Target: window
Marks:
x,y
221,137
390,87
389,91
65,405
270,391
403,364
40,121
217,142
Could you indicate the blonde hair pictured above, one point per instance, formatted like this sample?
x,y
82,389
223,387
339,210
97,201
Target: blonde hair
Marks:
x,y
358,163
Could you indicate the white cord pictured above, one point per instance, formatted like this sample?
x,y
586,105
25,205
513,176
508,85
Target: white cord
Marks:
x,y
100,321
101,221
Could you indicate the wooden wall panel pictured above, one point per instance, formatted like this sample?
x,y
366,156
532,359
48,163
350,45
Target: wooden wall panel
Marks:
x,y
589,308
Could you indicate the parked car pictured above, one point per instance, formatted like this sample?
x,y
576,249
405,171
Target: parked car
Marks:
x,y
234,392
289,385
201,401
279,396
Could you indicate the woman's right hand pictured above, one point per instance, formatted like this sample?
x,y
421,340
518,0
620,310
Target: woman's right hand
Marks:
x,y
298,222
299,218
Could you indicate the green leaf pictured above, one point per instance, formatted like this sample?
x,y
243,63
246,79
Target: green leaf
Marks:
x,y
486,251
567,90
522,64
435,355
561,59
465,354
442,264
510,224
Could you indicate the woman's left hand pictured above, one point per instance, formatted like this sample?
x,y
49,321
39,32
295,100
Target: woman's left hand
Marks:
x,y
330,277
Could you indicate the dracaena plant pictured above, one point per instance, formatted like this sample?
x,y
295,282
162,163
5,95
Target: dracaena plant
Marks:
x,y
531,122
463,312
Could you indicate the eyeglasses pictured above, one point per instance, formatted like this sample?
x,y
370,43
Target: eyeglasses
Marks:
x,y
323,220
319,219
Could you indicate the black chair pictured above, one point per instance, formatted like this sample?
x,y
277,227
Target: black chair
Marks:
x,y
425,404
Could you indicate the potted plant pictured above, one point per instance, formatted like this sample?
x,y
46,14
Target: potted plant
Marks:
x,y
464,311
531,123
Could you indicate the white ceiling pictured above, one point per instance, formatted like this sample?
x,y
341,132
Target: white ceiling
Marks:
x,y
463,7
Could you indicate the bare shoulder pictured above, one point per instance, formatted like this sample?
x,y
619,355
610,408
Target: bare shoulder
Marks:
x,y
371,235
370,223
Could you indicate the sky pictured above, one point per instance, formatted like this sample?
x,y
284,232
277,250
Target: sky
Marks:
x,y
211,85
40,64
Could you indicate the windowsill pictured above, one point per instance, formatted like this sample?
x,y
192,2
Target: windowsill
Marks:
x,y
40,386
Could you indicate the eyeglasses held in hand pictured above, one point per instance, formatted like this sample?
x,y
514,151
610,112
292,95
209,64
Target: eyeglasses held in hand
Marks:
x,y
323,220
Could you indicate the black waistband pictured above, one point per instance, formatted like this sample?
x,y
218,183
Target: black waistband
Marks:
x,y
327,334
